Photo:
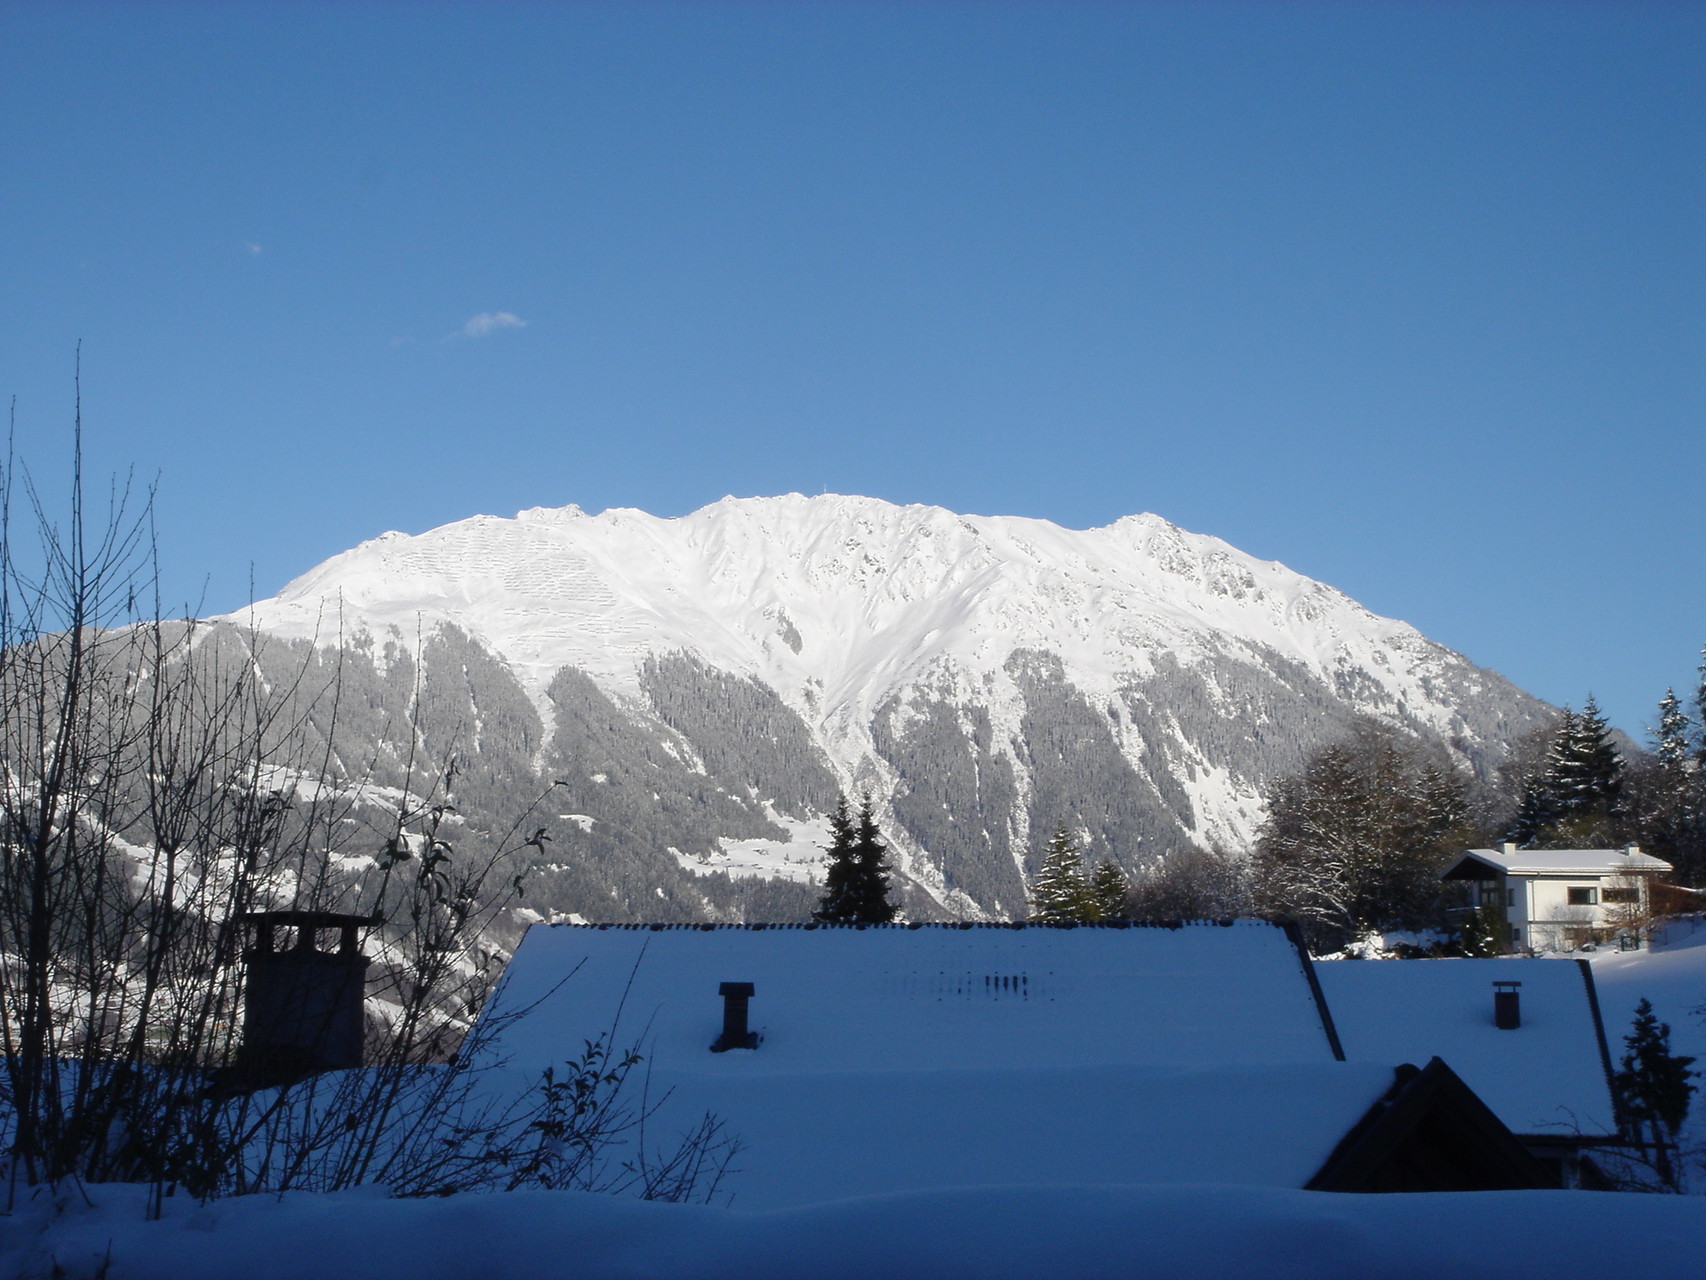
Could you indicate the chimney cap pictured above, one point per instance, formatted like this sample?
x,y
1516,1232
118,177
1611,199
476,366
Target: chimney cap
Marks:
x,y
736,989
308,919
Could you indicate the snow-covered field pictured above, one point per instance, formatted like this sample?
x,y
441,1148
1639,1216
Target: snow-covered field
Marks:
x,y
986,1233
799,858
1672,975
1016,1225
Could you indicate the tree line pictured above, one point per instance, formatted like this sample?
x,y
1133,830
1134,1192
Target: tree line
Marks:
x,y
1354,841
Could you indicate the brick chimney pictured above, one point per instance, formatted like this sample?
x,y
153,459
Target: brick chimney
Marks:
x,y
302,1006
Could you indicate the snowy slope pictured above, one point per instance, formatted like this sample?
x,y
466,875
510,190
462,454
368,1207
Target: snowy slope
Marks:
x,y
1186,669
837,602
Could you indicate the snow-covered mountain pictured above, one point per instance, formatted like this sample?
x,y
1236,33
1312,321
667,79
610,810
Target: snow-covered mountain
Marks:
x,y
708,683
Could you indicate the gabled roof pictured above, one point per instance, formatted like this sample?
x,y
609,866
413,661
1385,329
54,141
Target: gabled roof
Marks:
x,y
1585,862
886,998
900,1058
1431,1133
1548,1078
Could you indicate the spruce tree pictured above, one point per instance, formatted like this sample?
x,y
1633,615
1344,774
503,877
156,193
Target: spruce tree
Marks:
x,y
840,880
1653,1088
1060,892
1576,796
1700,716
1542,799
1672,745
1668,811
1485,931
1594,778
1106,892
872,869
856,882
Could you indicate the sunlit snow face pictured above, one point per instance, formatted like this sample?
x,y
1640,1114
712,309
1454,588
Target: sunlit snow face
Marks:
x,y
930,656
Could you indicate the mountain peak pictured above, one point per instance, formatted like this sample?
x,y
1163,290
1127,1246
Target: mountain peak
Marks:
x,y
1201,669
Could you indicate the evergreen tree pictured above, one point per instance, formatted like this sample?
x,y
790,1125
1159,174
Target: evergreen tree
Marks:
x,y
1444,804
1541,804
1591,776
1485,931
1672,739
1666,799
872,878
1653,1088
1575,798
1700,714
840,880
1060,892
1106,892
856,882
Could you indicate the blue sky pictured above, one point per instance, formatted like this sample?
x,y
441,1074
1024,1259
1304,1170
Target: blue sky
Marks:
x,y
1407,296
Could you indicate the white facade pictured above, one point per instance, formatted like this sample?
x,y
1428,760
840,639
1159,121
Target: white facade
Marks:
x,y
1557,899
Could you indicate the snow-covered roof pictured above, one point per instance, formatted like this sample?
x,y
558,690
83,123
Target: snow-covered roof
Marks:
x,y
1584,862
902,1058
931,996
1545,1078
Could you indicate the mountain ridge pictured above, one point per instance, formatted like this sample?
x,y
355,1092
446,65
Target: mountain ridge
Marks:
x,y
1140,680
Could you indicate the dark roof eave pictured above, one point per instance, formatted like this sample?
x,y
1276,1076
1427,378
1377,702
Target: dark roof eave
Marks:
x,y
943,924
1467,864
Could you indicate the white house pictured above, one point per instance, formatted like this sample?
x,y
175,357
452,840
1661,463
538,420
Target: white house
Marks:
x,y
1556,899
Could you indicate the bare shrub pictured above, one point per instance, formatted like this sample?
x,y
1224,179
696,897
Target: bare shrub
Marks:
x,y
159,779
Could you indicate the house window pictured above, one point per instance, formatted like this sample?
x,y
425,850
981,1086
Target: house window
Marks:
x,y
1581,897
1622,895
1510,897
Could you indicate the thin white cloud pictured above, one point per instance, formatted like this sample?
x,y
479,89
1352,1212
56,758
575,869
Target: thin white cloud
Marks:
x,y
489,322
252,247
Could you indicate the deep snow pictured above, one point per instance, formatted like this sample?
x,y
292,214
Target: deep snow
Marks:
x,y
902,1059
988,1233
1089,1228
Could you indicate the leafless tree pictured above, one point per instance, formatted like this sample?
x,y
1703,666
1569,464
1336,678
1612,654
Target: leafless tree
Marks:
x,y
160,778
1356,840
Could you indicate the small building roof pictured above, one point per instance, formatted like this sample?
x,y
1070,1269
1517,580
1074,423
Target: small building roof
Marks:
x,y
899,1058
891,997
1548,1078
1431,1133
1628,860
